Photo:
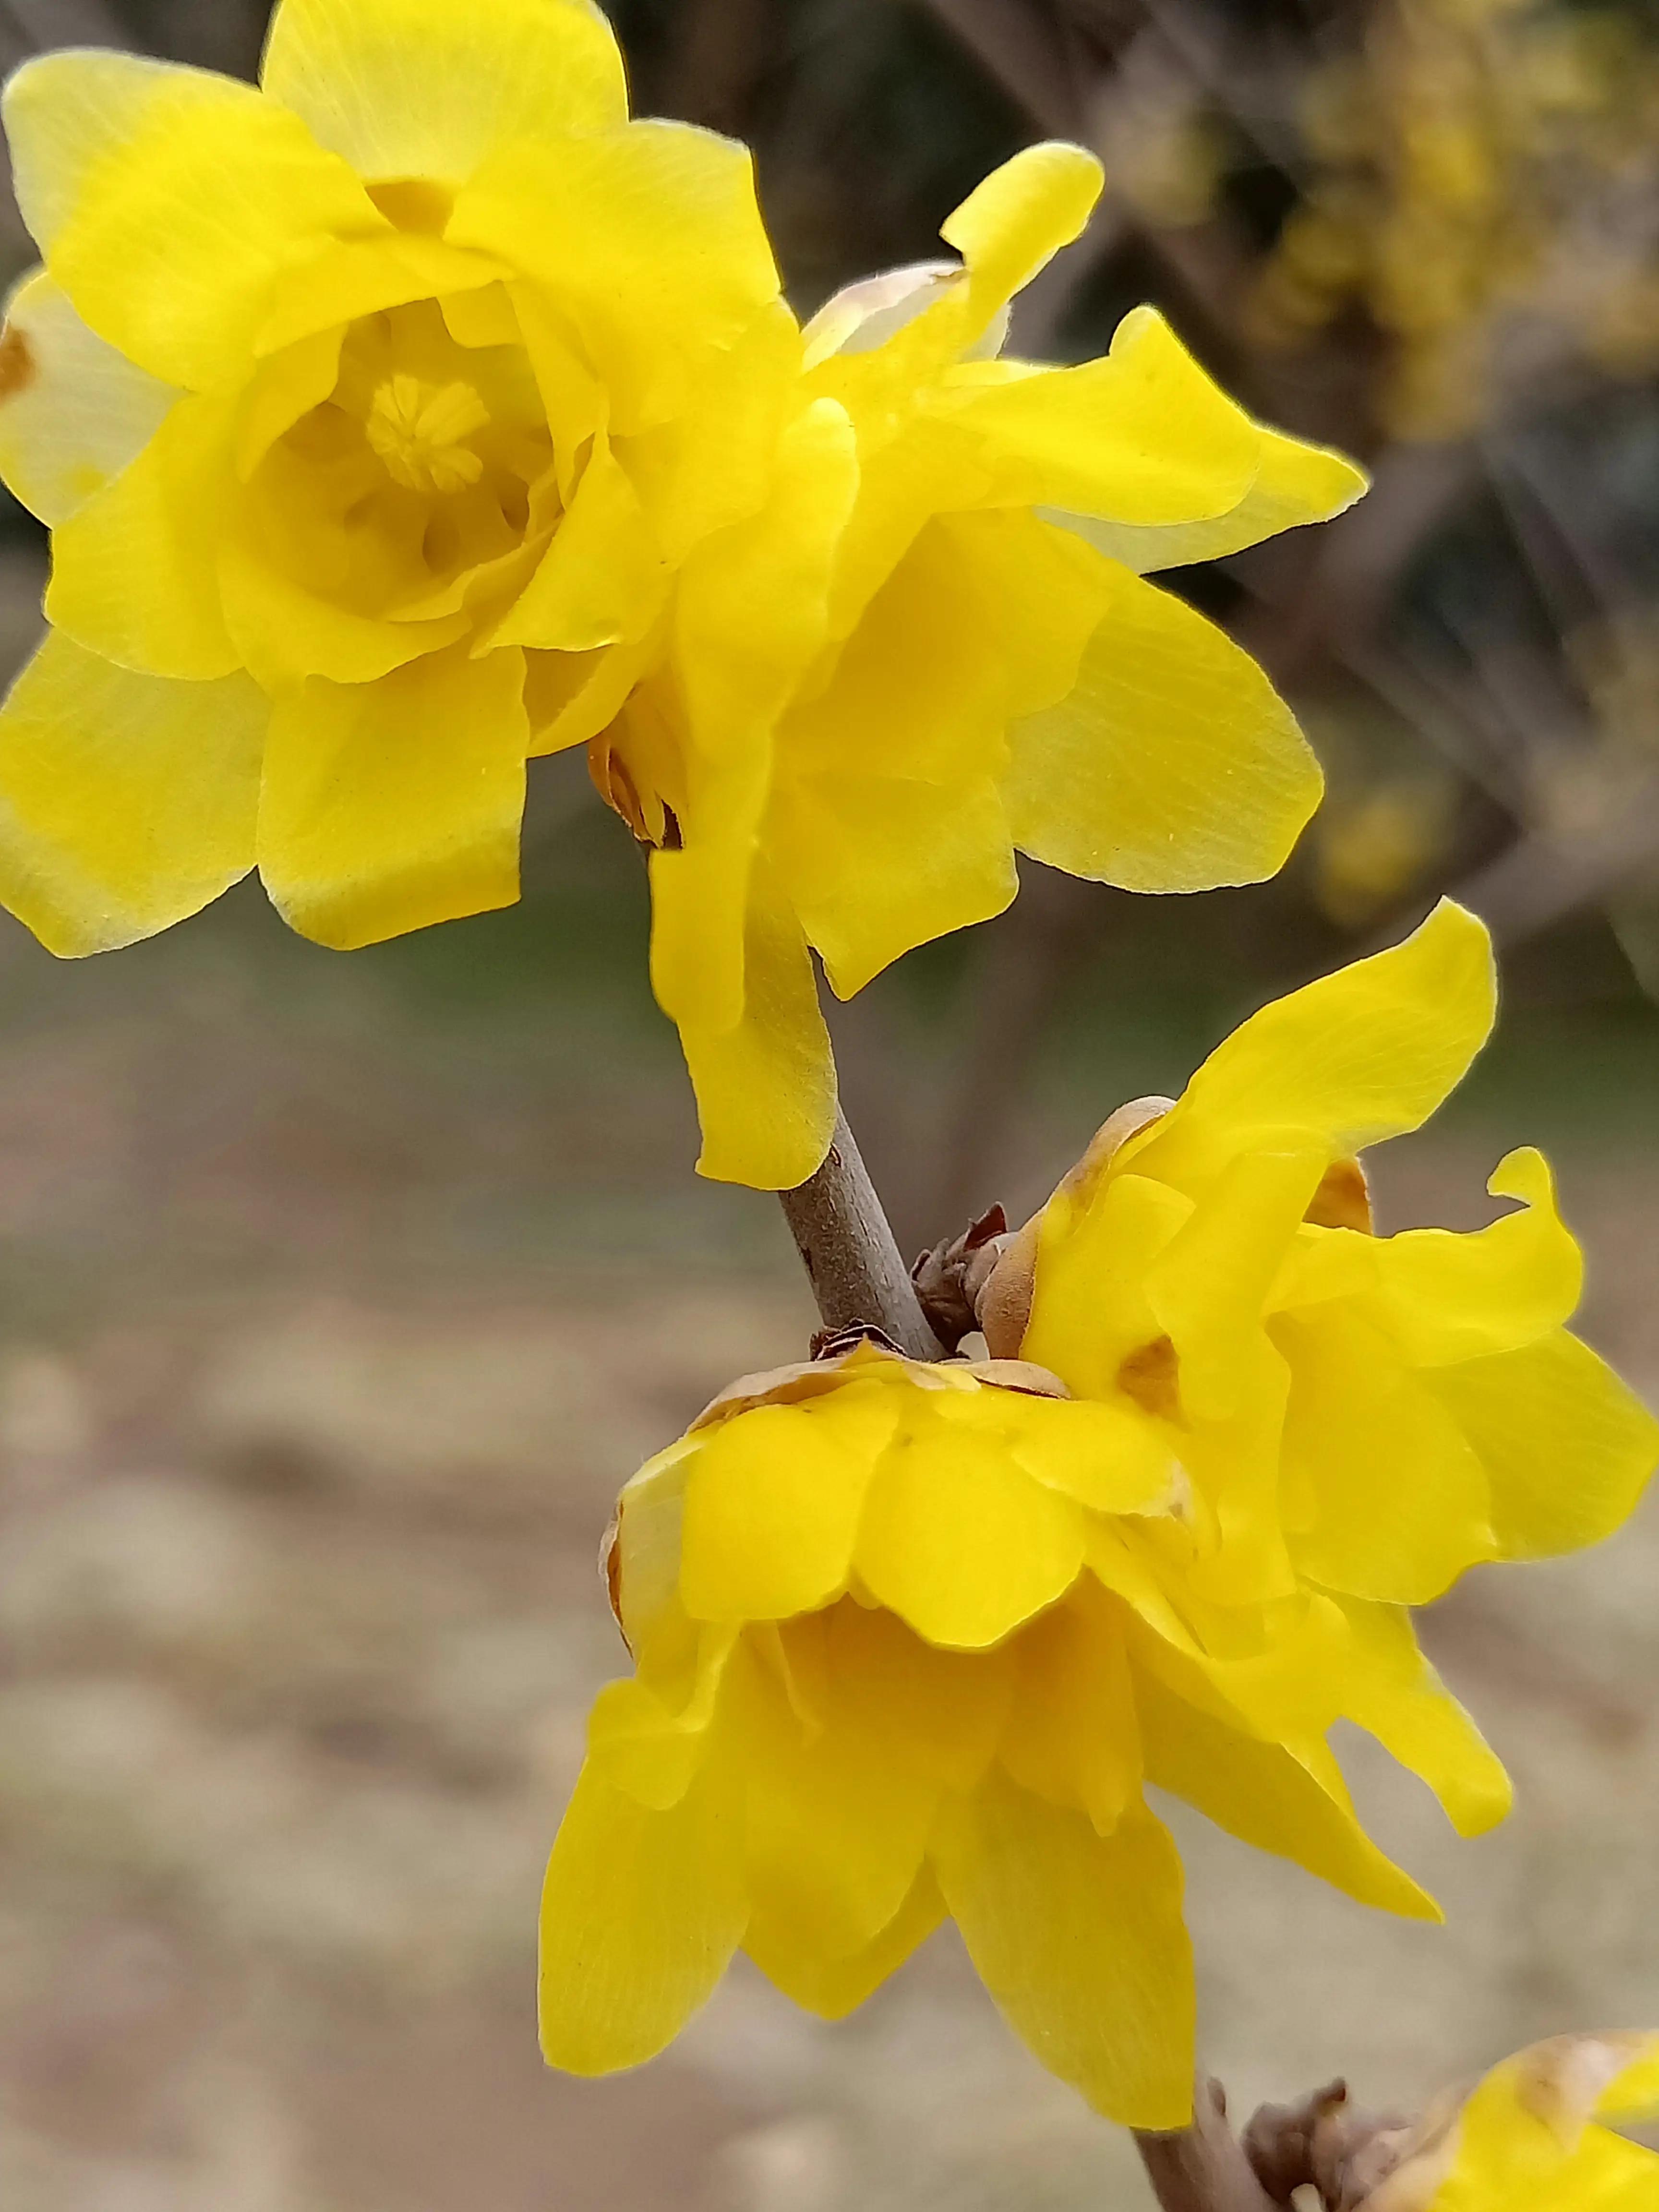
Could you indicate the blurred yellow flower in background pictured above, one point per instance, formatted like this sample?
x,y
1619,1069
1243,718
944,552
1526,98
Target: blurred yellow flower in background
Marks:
x,y
416,413
1532,2137
910,1640
1367,1415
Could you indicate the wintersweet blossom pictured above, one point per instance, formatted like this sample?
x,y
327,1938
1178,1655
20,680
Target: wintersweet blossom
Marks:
x,y
416,412
1536,2136
1365,1415
909,1641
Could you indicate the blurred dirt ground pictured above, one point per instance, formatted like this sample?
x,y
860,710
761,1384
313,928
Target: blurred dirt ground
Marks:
x,y
336,1298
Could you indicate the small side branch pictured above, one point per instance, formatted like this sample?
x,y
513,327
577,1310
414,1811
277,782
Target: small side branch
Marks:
x,y
847,1249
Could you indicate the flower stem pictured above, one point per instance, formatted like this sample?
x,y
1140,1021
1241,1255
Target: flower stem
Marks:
x,y
846,1247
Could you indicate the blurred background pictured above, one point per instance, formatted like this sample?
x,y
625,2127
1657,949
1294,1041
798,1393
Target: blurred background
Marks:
x,y
337,1297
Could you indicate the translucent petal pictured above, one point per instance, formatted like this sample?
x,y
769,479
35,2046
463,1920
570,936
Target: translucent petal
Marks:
x,y
1079,1939
640,1914
416,88
1365,1054
766,1088
649,236
126,802
73,411
168,201
833,1984
1172,766
1566,1447
1141,435
1447,1297
1398,1696
1287,1800
1399,1504
134,570
773,1502
959,1541
388,806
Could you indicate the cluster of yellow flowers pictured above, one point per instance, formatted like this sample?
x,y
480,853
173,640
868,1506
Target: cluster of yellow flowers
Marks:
x,y
397,424
911,1638
1460,153
418,413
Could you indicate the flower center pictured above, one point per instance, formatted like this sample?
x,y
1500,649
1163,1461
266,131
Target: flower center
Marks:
x,y
420,431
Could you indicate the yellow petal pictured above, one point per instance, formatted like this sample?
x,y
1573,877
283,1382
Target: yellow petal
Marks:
x,y
833,1984
1172,766
766,1090
1071,1735
1014,223
836,1821
134,574
1446,1297
126,802
285,629
1079,1939
888,821
1289,1800
387,806
415,89
715,462
167,202
649,236
1111,1458
1567,1448
341,281
749,618
1089,1308
603,580
1398,1696
773,1501
650,1736
641,1913
959,1541
879,864
1398,1504
1142,435
73,411
1208,1288
1296,484
1365,1054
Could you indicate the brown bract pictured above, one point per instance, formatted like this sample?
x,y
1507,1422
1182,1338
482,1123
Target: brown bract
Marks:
x,y
1004,1305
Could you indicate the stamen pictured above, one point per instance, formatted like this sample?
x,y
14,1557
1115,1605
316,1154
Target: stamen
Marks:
x,y
419,430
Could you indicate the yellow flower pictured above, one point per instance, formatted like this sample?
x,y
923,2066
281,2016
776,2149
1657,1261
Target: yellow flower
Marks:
x,y
1527,2140
1368,1415
909,1640
416,413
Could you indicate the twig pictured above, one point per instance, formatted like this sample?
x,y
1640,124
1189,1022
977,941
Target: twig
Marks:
x,y
847,1249
1203,2167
